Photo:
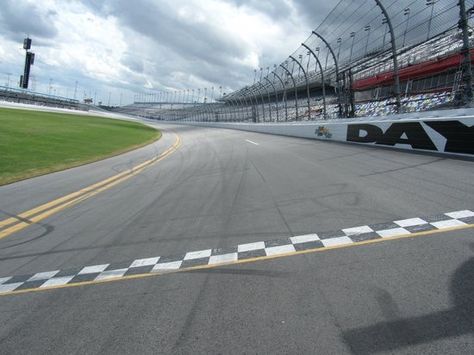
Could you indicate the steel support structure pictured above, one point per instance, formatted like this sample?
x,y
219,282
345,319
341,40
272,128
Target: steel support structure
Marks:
x,y
251,103
252,95
269,99
284,93
276,98
336,65
296,90
260,92
322,78
308,97
466,51
396,72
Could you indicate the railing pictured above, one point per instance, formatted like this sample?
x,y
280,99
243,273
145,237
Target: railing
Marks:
x,y
364,51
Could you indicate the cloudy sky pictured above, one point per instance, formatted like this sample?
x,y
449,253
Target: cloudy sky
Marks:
x,y
124,47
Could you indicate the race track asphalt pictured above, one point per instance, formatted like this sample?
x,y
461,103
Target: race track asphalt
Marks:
x,y
222,188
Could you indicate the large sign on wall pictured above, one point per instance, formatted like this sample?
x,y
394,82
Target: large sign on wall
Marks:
x,y
439,136
453,135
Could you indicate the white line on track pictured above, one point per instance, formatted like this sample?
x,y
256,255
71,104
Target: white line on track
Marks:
x,y
247,140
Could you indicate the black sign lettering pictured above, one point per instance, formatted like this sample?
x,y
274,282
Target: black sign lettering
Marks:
x,y
372,133
414,132
460,138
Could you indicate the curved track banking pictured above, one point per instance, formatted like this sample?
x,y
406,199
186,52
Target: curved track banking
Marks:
x,y
223,188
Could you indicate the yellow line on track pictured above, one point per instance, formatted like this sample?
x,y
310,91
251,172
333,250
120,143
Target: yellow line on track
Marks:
x,y
245,261
37,214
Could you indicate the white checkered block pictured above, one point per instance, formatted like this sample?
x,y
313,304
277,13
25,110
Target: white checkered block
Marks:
x,y
198,254
241,248
332,242
394,232
281,249
110,274
145,262
448,224
411,222
357,230
4,279
163,267
222,259
307,238
10,287
95,269
57,281
460,214
43,276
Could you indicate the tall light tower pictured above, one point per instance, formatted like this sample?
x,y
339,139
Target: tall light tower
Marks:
x,y
29,61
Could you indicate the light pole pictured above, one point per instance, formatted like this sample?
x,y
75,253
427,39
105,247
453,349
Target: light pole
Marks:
x,y
294,85
321,71
269,98
250,94
384,22
243,107
276,98
8,79
466,51
257,92
353,34
367,29
336,65
307,86
432,4
300,57
308,54
406,12
284,92
339,41
254,111
396,72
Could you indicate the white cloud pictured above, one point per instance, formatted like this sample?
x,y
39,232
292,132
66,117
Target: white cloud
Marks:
x,y
124,46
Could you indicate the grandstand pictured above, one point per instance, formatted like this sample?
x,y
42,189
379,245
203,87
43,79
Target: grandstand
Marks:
x,y
34,98
346,68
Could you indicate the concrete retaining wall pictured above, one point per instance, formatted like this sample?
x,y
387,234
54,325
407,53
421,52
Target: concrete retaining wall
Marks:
x,y
441,131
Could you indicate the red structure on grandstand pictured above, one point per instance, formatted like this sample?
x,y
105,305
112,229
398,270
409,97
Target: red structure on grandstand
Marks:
x,y
413,72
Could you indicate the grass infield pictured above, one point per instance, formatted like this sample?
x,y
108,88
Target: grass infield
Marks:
x,y
34,143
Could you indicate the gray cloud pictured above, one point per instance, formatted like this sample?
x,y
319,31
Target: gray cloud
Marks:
x,y
133,63
19,18
160,23
172,50
275,9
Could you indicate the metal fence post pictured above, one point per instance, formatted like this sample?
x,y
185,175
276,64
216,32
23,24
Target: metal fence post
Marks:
x,y
296,89
307,86
284,93
322,78
336,64
466,51
394,55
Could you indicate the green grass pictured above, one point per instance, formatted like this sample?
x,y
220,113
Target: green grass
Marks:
x,y
34,143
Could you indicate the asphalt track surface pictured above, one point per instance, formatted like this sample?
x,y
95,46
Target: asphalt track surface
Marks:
x,y
222,188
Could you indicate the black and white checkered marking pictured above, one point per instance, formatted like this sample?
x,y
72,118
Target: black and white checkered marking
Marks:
x,y
159,264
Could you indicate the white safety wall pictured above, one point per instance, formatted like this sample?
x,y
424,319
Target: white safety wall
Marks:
x,y
452,134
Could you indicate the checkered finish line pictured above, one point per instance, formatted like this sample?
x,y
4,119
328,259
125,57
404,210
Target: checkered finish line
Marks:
x,y
210,257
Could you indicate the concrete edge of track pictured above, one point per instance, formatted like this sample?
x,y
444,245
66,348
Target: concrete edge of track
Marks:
x,y
449,133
